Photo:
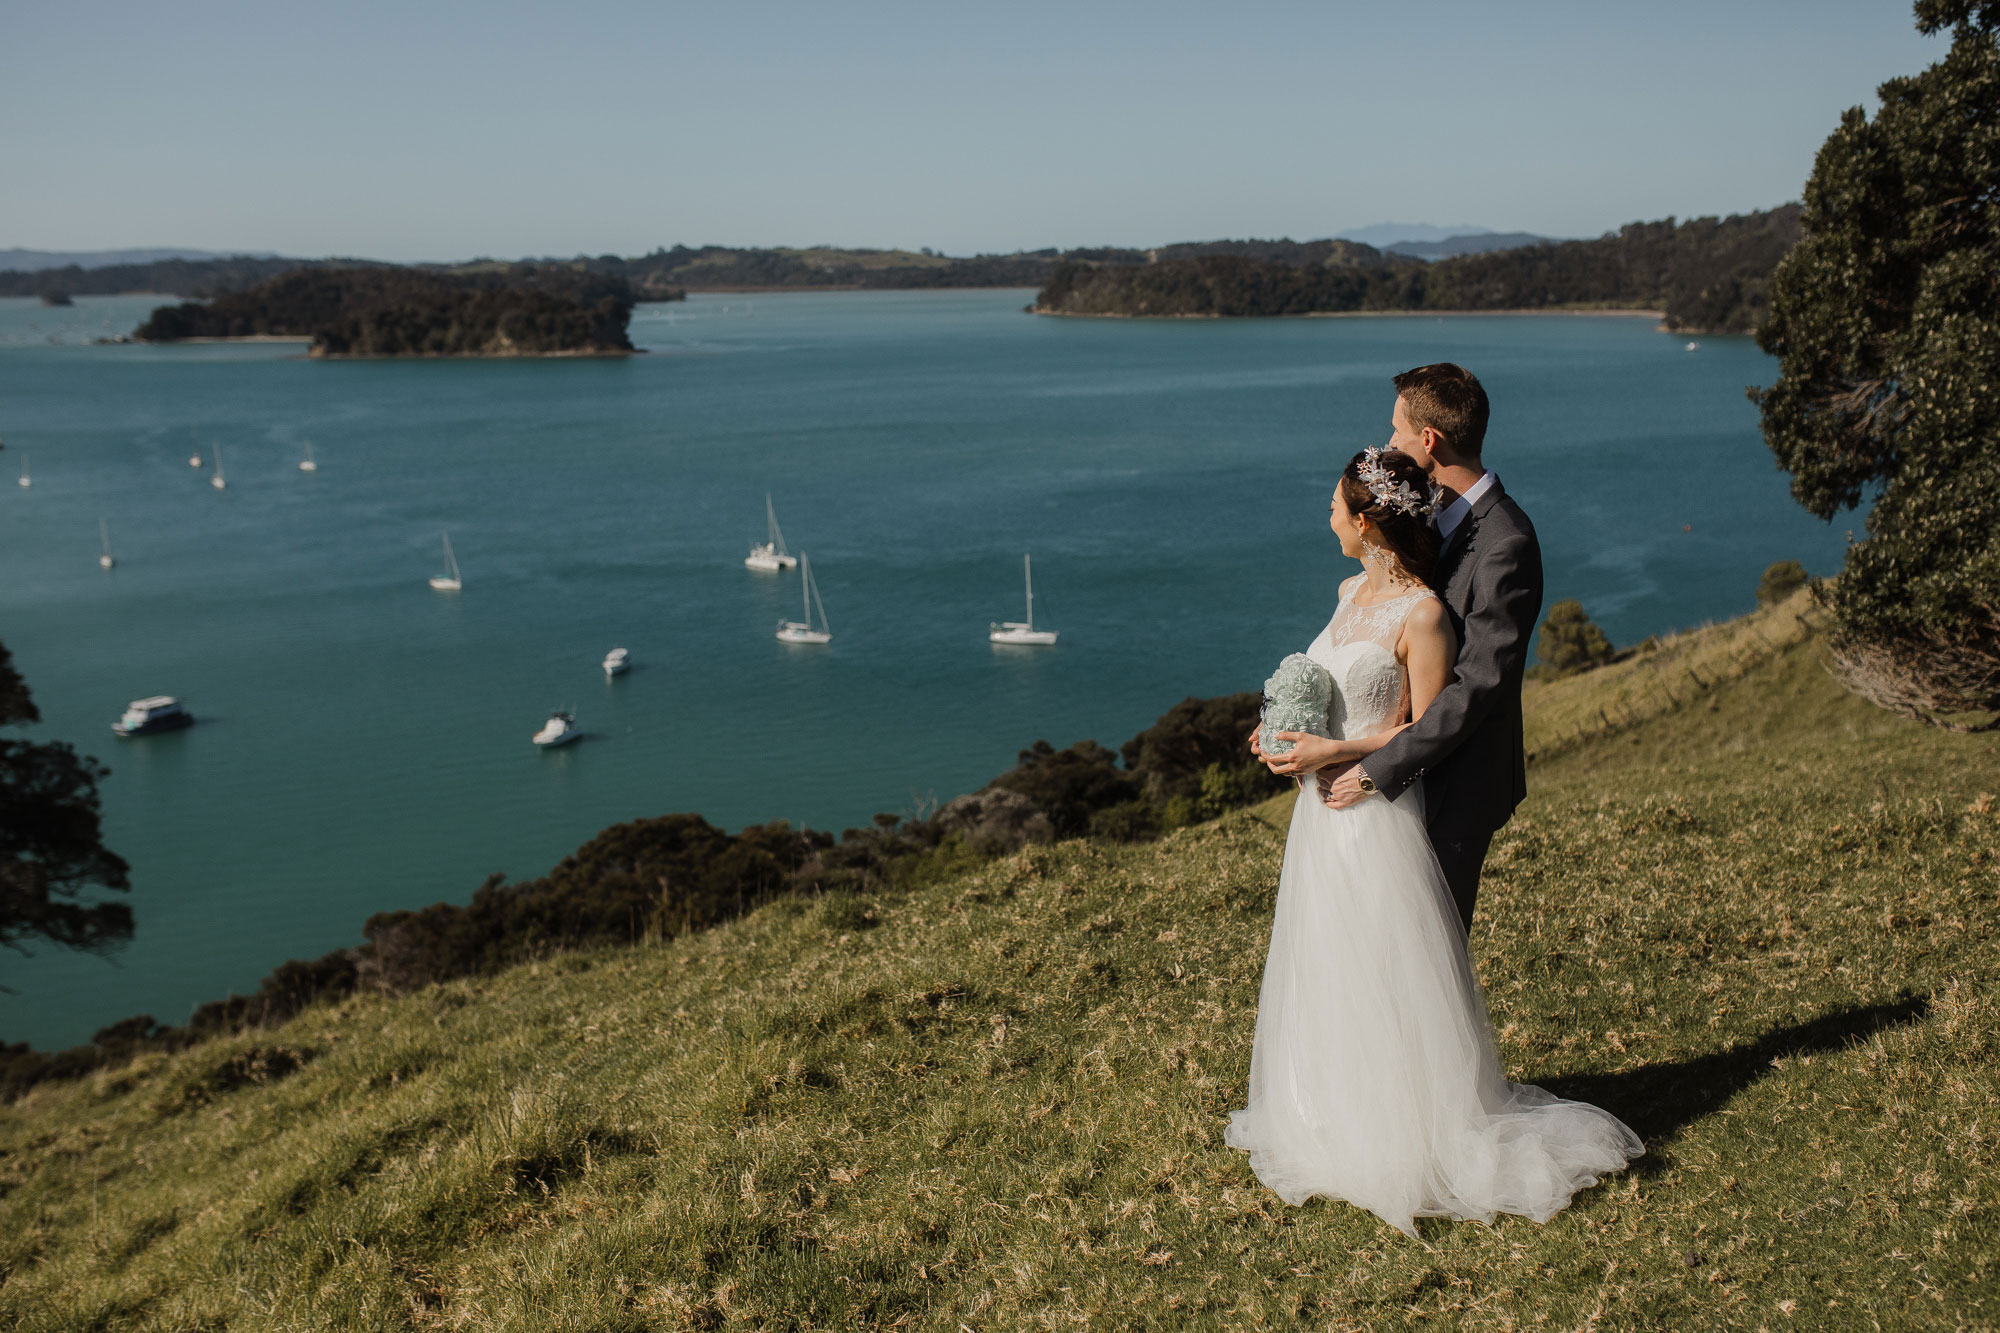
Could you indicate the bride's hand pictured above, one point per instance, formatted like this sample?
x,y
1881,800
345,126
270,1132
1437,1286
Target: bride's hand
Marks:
x,y
1309,752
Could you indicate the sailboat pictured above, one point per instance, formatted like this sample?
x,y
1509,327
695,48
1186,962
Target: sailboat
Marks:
x,y
769,555
796,631
449,580
307,464
24,471
194,459
216,480
1022,631
104,534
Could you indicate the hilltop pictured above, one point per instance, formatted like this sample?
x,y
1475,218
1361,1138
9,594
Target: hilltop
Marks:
x,y
1752,915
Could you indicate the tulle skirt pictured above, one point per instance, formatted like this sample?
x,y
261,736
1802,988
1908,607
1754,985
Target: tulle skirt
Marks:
x,y
1374,1077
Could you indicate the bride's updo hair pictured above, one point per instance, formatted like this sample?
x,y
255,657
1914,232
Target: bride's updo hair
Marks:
x,y
1408,537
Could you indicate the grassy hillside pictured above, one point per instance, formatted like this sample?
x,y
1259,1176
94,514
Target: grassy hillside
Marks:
x,y
1759,923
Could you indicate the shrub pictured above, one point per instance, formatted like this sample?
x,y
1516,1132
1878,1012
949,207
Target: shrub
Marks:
x,y
1570,641
1781,581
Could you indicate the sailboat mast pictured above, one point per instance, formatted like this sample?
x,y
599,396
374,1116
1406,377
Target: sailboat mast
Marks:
x,y
104,532
1028,573
773,533
805,591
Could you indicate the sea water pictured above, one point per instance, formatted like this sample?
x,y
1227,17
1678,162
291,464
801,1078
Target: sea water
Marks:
x,y
363,741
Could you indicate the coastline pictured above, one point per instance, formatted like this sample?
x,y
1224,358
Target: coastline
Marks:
x,y
394,356
1621,312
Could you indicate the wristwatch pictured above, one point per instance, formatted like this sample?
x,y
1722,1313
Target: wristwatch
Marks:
x,y
1367,785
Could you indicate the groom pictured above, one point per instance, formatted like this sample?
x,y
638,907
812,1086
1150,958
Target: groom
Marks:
x,y
1468,745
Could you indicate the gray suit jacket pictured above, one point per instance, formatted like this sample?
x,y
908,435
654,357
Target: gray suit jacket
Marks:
x,y
1468,746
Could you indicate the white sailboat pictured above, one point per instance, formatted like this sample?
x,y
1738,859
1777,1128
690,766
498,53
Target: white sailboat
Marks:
x,y
217,479
307,464
449,580
769,555
617,662
104,534
1022,631
194,459
802,631
24,471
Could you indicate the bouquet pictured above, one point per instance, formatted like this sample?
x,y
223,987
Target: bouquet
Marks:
x,y
1297,697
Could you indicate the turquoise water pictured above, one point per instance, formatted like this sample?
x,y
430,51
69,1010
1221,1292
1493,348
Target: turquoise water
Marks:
x,y
363,742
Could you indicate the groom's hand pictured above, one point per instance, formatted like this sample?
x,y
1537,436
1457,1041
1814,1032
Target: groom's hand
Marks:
x,y
1340,788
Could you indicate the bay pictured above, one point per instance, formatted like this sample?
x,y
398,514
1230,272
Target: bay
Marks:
x,y
363,742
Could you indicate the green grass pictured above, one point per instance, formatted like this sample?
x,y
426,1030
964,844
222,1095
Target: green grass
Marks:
x,y
1758,923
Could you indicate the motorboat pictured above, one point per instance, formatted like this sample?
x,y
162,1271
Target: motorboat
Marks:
x,y
770,555
1694,347
448,581
617,662
143,717
802,631
560,729
1022,631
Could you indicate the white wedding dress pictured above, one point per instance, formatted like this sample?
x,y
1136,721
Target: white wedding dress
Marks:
x,y
1374,1076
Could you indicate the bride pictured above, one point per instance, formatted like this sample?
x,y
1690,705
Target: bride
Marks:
x,y
1374,1076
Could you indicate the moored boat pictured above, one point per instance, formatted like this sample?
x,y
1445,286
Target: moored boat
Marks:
x,y
770,555
1022,631
560,729
143,717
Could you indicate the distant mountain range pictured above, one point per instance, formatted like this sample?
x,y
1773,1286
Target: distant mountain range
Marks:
x,y
1421,240
1385,234
34,261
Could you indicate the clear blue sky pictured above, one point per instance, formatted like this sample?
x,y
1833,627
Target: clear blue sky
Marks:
x,y
418,130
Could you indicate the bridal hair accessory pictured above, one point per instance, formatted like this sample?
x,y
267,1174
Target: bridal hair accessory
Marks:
x,y
1397,495
1297,697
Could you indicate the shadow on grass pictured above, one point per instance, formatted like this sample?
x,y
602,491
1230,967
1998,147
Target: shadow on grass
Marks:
x,y
1658,1101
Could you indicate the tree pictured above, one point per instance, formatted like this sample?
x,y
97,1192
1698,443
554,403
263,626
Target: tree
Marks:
x,y
1883,317
1570,641
51,844
1781,581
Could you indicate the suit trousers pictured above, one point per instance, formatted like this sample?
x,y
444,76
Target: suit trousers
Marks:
x,y
1461,857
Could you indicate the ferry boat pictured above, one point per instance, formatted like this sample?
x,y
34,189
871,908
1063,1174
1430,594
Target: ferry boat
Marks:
x,y
560,729
143,717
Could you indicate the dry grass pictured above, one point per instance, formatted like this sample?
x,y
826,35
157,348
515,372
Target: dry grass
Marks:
x,y
1761,928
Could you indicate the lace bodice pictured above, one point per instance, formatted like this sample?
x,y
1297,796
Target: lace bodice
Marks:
x,y
1358,649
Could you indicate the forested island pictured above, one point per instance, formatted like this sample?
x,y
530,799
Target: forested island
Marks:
x,y
377,310
1705,275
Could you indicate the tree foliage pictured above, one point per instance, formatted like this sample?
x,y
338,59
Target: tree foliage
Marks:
x,y
518,310
1884,320
51,838
1706,274
1570,641
1780,581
